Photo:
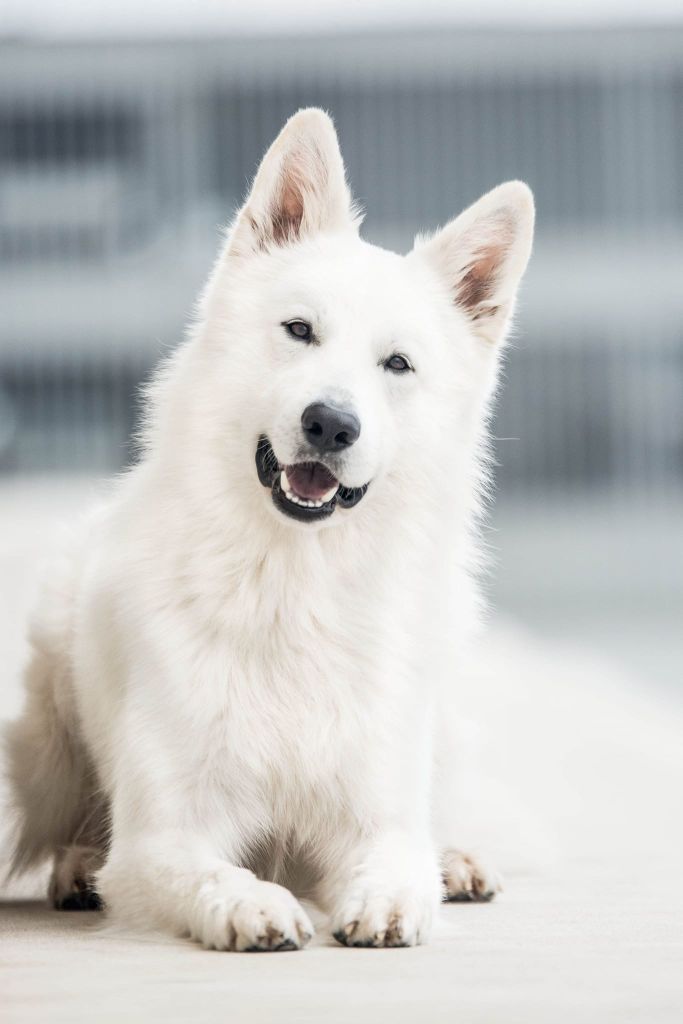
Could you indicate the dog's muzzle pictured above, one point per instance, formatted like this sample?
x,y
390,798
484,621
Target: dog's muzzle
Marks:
x,y
306,491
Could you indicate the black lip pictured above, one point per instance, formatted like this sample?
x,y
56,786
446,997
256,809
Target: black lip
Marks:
x,y
268,469
267,466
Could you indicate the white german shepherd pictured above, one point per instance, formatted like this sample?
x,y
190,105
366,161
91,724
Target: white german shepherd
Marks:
x,y
244,673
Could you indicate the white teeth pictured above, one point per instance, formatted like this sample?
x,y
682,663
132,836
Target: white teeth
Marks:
x,y
329,495
284,483
296,500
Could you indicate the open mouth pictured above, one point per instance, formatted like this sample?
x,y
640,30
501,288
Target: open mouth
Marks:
x,y
307,491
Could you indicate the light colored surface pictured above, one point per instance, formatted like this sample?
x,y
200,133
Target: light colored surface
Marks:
x,y
594,935
591,947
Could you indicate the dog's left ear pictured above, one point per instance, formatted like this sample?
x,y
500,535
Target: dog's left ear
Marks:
x,y
300,188
482,255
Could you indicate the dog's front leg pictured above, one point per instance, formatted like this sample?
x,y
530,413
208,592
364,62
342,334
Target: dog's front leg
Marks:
x,y
174,880
386,891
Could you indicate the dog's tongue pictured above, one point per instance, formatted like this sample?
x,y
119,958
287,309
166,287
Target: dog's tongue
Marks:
x,y
311,480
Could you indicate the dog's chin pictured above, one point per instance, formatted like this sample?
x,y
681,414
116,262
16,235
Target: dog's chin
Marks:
x,y
307,492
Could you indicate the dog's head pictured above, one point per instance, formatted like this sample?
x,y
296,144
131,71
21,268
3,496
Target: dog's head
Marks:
x,y
340,364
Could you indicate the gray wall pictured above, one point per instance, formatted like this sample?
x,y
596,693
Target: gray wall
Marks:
x,y
119,162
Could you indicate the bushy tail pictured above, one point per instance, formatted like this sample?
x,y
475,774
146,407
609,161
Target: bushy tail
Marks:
x,y
51,782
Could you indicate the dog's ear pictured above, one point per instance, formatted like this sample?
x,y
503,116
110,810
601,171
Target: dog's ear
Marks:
x,y
300,188
482,255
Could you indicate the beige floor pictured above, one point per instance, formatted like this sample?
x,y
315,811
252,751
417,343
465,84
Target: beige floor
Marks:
x,y
598,945
592,933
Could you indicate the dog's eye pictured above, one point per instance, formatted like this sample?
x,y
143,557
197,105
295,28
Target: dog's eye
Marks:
x,y
299,329
397,364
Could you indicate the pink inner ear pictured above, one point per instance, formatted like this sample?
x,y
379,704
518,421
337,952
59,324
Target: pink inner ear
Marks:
x,y
479,278
292,203
478,283
304,178
288,214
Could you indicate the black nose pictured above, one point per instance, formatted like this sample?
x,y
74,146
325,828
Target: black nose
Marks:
x,y
329,428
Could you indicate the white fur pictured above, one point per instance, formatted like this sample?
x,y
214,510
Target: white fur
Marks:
x,y
224,699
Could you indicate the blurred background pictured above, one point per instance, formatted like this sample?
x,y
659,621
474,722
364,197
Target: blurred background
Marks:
x,y
128,135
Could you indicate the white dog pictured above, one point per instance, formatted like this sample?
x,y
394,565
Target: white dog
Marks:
x,y
244,673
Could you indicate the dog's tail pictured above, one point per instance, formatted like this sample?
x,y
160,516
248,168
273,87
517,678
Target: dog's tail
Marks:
x,y
50,778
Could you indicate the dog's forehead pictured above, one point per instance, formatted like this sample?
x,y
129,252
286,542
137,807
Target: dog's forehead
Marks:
x,y
351,279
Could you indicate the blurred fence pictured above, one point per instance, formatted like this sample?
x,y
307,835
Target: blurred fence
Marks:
x,y
118,162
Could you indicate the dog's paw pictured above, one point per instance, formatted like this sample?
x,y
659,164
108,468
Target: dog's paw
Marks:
x,y
263,917
468,880
72,884
377,920
83,897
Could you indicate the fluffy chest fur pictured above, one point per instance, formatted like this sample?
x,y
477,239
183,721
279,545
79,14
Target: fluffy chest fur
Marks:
x,y
282,684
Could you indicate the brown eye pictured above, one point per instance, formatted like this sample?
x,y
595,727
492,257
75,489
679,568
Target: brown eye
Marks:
x,y
299,329
397,364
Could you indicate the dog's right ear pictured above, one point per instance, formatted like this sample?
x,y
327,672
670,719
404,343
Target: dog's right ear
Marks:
x,y
300,188
482,255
